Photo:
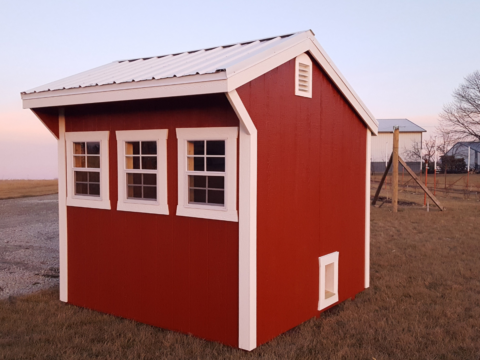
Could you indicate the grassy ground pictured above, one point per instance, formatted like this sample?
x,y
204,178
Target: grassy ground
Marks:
x,y
10,189
423,303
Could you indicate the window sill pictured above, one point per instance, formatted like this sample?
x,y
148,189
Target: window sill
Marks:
x,y
89,203
143,207
213,214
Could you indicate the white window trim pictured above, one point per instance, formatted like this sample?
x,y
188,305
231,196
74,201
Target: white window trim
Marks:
x,y
160,206
323,262
229,211
303,59
103,201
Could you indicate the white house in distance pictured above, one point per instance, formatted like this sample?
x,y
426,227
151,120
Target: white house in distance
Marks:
x,y
382,144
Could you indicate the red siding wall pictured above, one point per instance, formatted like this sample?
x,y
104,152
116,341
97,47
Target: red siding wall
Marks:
x,y
311,195
173,272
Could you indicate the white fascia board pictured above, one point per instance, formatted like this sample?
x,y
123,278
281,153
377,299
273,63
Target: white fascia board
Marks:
x,y
183,86
247,229
290,50
266,54
344,86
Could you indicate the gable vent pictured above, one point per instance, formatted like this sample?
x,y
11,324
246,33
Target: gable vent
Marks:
x,y
303,76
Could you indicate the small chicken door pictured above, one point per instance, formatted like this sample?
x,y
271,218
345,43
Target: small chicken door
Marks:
x,y
328,280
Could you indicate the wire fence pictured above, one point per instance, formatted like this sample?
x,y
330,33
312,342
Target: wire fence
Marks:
x,y
460,186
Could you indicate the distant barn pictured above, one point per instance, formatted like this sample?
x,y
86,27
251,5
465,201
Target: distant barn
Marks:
x,y
199,191
382,144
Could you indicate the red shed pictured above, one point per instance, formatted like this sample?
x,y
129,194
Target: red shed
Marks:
x,y
201,192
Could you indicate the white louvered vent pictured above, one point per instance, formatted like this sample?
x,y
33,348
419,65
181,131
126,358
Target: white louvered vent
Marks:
x,y
303,76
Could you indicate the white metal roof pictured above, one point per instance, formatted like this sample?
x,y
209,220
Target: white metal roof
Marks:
x,y
405,125
196,62
218,69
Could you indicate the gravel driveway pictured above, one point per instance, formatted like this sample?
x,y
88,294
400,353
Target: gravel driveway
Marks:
x,y
28,244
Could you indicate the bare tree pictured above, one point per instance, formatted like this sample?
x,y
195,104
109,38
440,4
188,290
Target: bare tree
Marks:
x,y
461,118
417,151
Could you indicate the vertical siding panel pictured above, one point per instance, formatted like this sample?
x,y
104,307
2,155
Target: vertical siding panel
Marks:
x,y
311,195
174,272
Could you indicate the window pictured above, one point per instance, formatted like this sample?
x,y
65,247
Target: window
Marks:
x,y
303,76
142,171
87,169
207,172
328,280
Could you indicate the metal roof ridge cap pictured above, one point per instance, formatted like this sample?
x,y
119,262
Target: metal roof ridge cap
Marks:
x,y
226,45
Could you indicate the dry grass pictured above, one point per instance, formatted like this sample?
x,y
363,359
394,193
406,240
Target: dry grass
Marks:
x,y
423,303
10,189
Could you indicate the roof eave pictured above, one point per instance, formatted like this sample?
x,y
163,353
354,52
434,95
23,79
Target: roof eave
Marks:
x,y
176,86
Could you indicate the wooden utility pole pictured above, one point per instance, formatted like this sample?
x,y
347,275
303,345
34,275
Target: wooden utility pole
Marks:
x,y
413,175
426,183
395,169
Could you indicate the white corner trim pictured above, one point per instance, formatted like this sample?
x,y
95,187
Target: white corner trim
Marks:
x,y
144,206
103,201
62,208
303,59
247,238
367,208
229,211
328,280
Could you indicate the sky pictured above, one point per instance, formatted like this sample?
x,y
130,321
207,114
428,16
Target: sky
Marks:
x,y
403,58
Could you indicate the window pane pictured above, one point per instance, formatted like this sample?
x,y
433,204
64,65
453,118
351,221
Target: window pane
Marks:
x,y
216,197
216,164
94,189
79,148
150,192
81,176
79,161
196,148
93,148
199,164
135,162
149,162
81,189
197,196
132,148
216,182
134,179
149,148
94,177
93,162
135,192
215,147
198,181
150,179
